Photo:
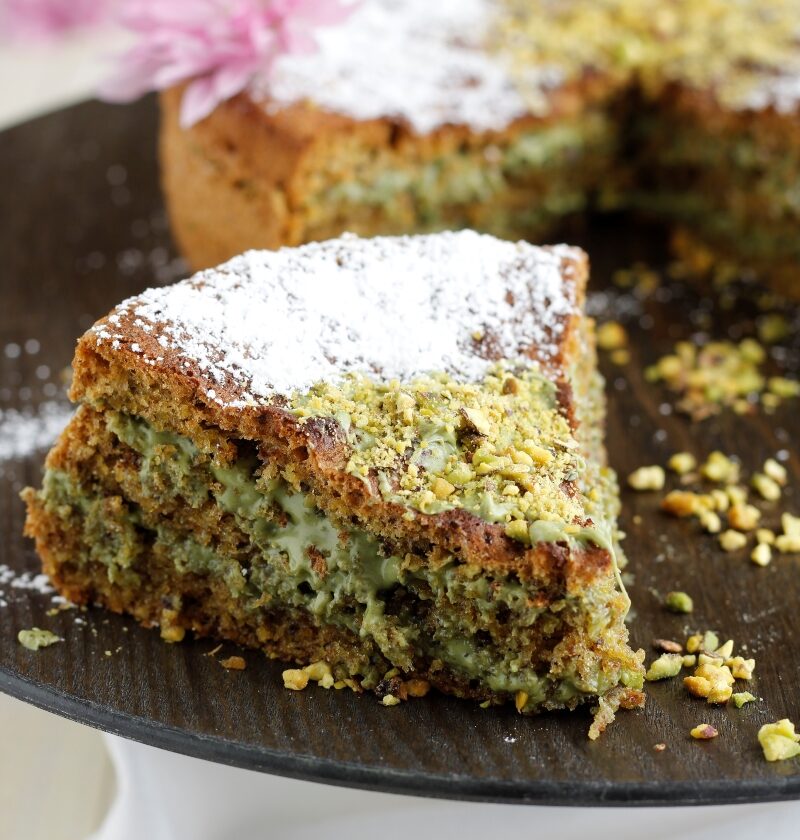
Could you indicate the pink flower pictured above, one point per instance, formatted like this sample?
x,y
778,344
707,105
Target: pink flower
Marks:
x,y
218,46
46,19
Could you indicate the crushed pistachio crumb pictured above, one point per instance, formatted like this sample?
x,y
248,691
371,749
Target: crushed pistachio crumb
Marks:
x,y
775,471
35,638
390,700
694,643
732,540
778,740
765,535
720,468
789,541
698,686
710,521
717,375
740,698
681,503
761,555
725,650
667,665
704,732
787,545
647,478
766,487
721,500
736,495
783,388
716,668
501,448
659,43
678,602
744,517
741,668
682,463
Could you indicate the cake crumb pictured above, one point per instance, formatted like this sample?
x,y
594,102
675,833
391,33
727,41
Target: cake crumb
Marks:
x,y
233,663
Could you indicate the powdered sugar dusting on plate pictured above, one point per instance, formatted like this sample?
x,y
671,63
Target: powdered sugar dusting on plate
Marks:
x,y
421,61
24,581
23,433
275,322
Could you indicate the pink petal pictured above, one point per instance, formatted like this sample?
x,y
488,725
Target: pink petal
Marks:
x,y
199,100
216,45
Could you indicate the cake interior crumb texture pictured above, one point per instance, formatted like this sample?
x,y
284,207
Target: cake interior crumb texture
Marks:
x,y
381,454
509,116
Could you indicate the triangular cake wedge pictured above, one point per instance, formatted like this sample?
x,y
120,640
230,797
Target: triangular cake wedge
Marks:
x,y
381,454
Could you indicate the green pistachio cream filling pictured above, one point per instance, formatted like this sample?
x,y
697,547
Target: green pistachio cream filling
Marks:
x,y
473,175
429,446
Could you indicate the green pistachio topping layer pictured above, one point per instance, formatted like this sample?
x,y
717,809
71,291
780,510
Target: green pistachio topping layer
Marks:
x,y
501,449
733,47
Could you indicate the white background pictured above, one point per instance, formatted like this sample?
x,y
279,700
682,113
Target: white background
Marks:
x,y
55,778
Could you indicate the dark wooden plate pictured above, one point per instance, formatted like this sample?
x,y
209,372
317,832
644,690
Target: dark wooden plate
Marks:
x,y
82,226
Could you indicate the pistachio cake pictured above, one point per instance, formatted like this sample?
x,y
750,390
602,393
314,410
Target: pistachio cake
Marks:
x,y
382,454
508,116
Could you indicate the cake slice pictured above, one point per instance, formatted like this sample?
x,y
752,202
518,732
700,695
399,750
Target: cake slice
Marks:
x,y
408,119
385,455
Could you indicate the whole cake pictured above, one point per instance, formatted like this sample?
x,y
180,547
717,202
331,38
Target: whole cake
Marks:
x,y
381,455
509,116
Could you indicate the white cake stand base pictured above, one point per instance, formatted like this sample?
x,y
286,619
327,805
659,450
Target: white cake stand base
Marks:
x,y
165,796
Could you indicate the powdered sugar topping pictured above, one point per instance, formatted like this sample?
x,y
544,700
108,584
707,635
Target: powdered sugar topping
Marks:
x,y
421,61
275,322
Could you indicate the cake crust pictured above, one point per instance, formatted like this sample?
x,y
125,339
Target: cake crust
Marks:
x,y
245,177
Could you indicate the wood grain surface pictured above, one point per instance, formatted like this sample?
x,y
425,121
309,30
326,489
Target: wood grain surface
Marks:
x,y
82,227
